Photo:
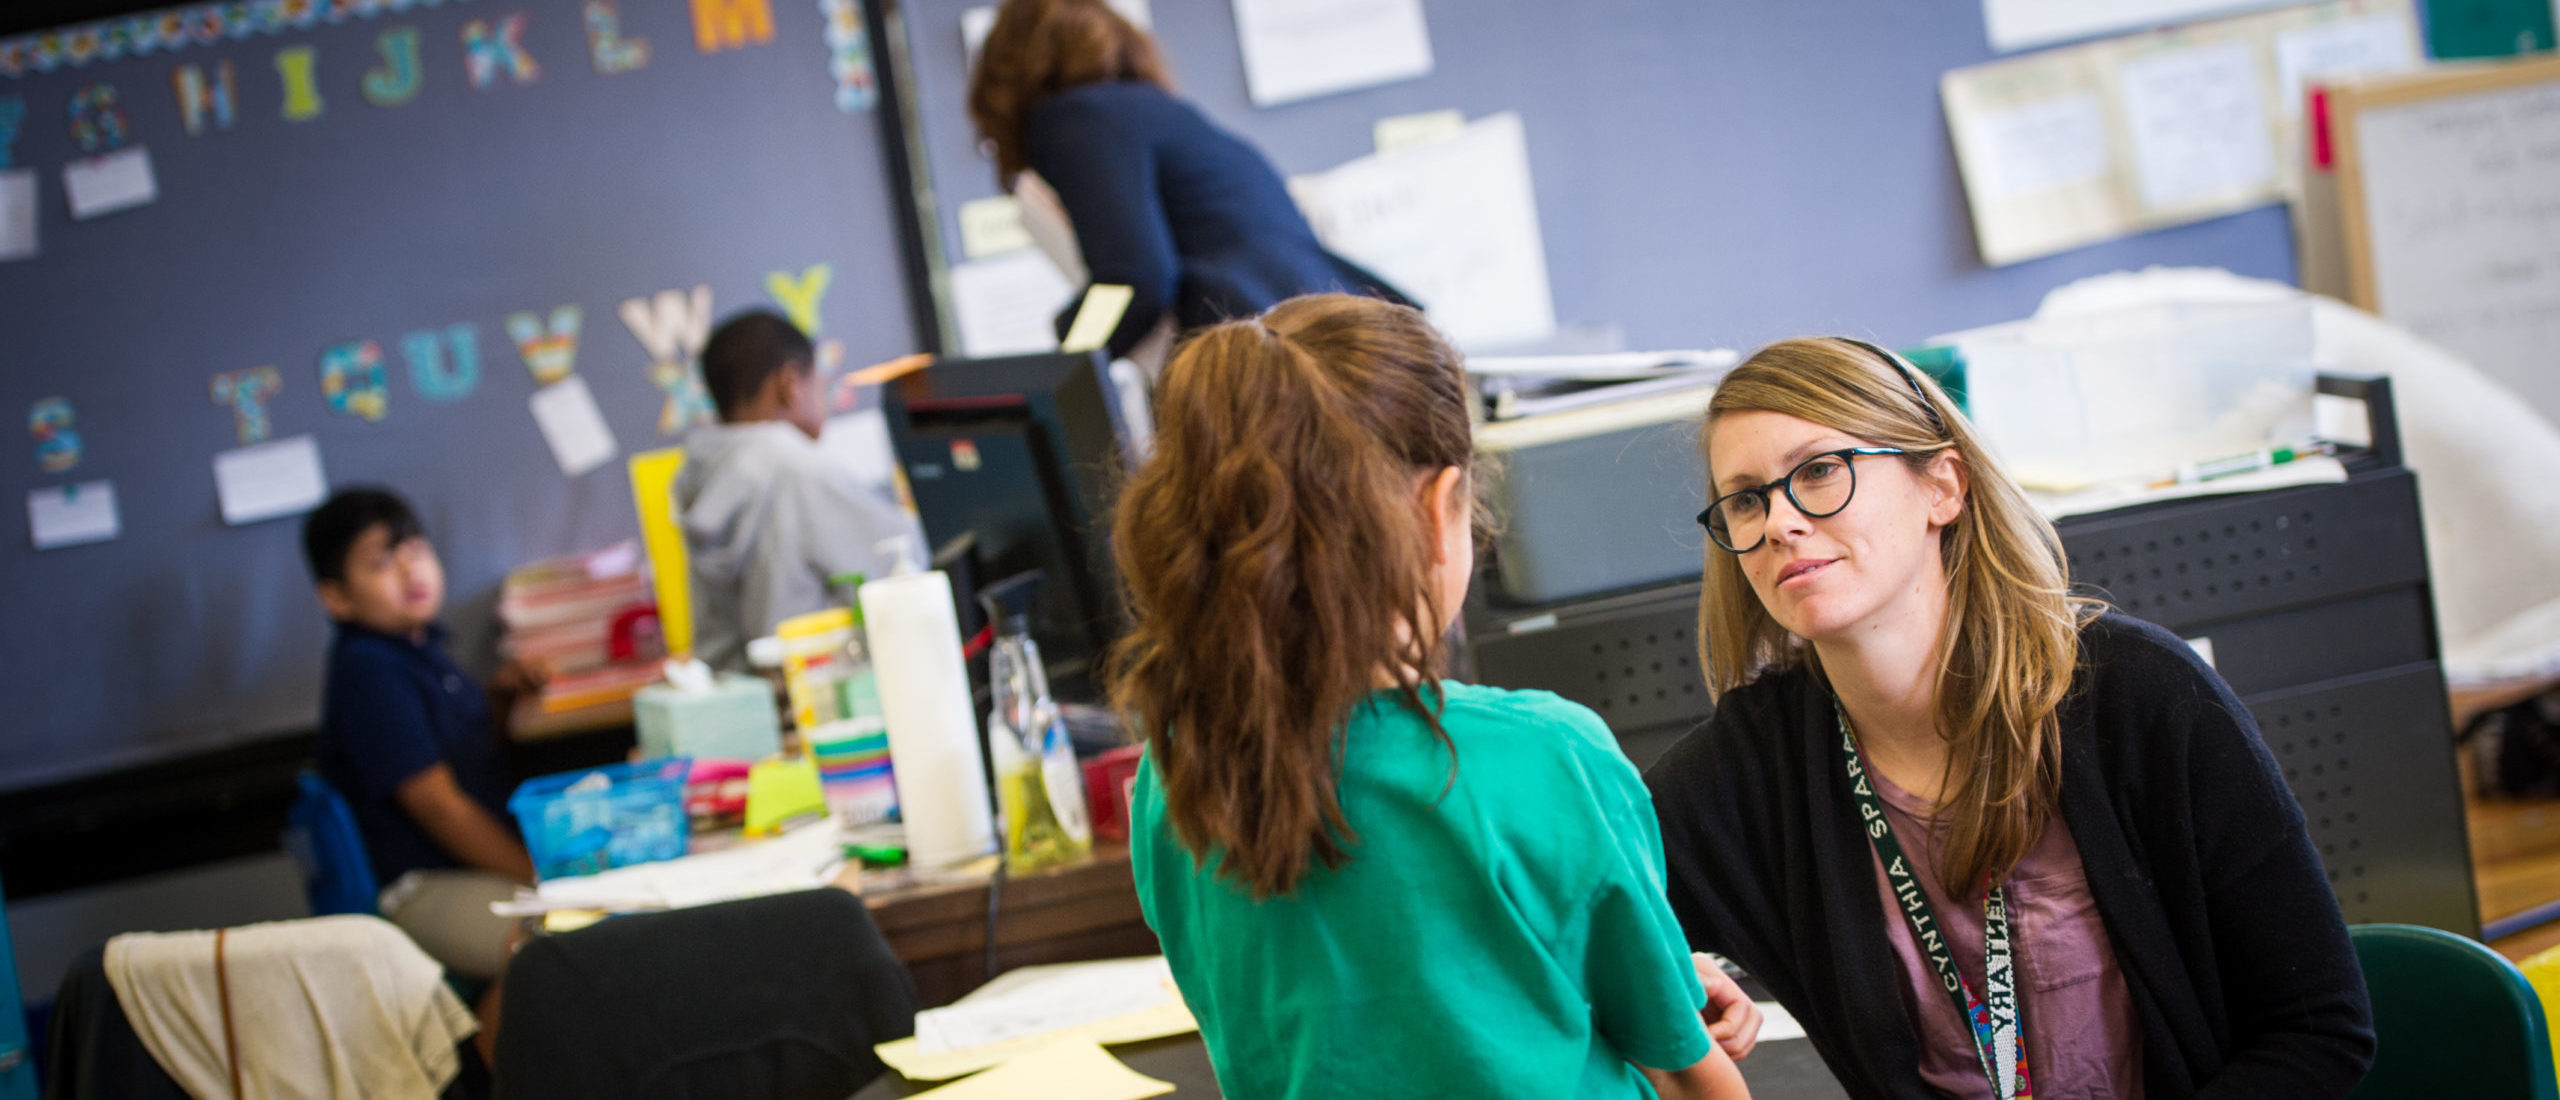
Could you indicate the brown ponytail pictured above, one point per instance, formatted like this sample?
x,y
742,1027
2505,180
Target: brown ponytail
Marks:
x,y
1276,567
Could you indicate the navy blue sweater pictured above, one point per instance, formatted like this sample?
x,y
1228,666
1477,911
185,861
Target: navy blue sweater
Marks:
x,y
2222,918
1184,213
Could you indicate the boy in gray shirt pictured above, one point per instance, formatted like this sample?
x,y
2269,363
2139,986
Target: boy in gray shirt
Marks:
x,y
767,516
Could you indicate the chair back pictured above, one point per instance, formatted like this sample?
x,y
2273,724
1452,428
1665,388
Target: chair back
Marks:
x,y
2451,1018
780,997
320,833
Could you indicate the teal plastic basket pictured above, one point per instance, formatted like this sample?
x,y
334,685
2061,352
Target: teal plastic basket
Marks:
x,y
582,822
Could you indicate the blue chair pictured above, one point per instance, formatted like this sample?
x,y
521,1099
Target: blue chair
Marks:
x,y
2451,1017
320,833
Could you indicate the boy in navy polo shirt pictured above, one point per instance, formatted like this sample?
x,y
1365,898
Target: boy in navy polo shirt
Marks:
x,y
405,735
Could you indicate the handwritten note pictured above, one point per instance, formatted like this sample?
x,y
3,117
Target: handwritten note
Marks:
x,y
2346,47
71,515
2199,131
1007,305
2043,145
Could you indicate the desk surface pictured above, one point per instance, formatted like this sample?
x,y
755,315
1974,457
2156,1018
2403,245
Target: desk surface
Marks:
x,y
1787,1070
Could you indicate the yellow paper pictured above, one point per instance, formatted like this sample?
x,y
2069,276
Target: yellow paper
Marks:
x,y
1163,1021
781,790
1099,317
1399,131
1068,1069
653,481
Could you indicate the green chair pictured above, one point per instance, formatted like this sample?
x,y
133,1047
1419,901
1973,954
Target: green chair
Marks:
x,y
2453,1018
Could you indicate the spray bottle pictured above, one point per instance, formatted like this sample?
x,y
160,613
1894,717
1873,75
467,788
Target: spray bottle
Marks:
x,y
1038,787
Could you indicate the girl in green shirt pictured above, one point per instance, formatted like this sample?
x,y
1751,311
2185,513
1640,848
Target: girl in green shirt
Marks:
x,y
1370,881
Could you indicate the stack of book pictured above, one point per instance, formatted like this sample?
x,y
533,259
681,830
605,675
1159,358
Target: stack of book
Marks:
x,y
592,617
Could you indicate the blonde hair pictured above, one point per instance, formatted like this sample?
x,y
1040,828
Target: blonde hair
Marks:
x,y
2011,637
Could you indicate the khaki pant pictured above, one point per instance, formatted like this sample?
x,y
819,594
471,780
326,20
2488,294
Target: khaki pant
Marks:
x,y
447,913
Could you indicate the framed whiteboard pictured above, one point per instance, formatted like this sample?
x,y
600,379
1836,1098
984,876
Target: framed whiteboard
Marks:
x,y
2449,195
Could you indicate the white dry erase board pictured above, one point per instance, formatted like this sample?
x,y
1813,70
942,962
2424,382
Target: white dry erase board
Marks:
x,y
2449,191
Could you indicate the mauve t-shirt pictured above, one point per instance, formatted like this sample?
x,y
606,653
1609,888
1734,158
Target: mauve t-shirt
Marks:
x,y
2082,1040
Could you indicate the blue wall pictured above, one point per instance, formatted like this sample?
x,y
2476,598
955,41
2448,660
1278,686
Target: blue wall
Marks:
x,y
1708,172
275,239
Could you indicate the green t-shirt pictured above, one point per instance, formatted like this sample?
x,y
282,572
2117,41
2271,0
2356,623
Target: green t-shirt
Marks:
x,y
1508,937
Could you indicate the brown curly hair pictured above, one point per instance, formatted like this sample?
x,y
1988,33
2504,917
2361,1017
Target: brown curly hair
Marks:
x,y
1042,46
1276,565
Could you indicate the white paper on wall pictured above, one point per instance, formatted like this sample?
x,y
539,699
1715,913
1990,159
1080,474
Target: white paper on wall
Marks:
x,y
1452,223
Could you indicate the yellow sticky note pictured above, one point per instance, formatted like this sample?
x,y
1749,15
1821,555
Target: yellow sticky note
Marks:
x,y
1401,131
1073,1069
781,790
909,1059
653,480
1103,305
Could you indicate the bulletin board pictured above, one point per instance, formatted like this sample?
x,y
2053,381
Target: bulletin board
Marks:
x,y
423,215
1705,174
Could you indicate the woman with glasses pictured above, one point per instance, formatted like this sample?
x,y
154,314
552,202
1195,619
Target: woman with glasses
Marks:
x,y
1982,837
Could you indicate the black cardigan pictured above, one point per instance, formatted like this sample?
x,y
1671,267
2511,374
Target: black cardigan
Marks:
x,y
2222,918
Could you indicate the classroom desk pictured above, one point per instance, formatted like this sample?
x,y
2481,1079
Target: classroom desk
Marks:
x,y
1066,914
529,722
1788,1070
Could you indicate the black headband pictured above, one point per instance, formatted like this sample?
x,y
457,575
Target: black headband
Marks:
x,y
1904,369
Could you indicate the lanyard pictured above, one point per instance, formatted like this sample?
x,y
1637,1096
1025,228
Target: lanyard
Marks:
x,y
1999,1036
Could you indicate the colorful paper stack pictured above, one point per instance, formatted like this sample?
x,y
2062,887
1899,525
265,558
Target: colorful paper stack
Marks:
x,y
592,617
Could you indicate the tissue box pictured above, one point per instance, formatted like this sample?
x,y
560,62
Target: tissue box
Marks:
x,y
735,720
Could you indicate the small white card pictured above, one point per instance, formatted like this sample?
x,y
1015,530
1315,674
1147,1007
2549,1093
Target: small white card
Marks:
x,y
573,425
268,480
120,180
69,515
18,214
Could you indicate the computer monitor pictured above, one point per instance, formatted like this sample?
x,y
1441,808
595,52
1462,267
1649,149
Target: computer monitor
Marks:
x,y
1025,453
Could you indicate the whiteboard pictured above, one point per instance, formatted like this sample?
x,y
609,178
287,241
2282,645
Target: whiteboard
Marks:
x,y
2450,185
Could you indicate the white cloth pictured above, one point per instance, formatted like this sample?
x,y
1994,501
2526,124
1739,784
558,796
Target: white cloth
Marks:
x,y
2490,504
327,1007
767,518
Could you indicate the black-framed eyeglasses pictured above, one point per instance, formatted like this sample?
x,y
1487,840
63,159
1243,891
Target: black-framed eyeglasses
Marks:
x,y
1819,486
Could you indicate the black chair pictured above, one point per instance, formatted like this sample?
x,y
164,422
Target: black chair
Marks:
x,y
780,997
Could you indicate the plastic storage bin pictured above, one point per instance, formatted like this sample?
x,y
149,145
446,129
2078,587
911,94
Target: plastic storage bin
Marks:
x,y
579,823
